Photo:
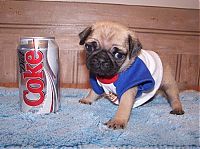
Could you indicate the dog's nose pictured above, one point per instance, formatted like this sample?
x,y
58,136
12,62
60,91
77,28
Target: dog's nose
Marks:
x,y
100,63
105,65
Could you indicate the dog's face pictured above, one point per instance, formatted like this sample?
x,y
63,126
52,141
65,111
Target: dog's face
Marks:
x,y
110,48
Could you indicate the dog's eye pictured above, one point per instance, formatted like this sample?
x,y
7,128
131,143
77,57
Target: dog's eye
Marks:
x,y
118,55
91,46
88,47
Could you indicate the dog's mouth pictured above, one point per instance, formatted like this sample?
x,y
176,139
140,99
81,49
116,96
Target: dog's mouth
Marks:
x,y
102,65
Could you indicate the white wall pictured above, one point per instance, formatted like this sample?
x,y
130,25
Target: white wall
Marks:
x,y
189,4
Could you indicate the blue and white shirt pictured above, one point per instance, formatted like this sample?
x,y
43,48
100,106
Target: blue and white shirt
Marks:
x,y
146,72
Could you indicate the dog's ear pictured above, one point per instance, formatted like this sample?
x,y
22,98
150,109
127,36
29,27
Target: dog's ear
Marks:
x,y
134,46
84,34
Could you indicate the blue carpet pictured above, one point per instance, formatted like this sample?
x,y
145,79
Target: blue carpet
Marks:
x,y
81,126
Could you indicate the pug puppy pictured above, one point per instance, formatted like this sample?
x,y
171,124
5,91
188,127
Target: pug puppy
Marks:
x,y
123,72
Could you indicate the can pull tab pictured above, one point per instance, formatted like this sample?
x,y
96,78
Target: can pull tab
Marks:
x,y
37,44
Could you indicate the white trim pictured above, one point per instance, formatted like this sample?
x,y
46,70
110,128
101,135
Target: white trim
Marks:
x,y
188,4
154,64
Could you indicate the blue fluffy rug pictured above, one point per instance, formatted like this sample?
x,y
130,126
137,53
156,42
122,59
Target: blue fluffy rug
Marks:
x,y
81,126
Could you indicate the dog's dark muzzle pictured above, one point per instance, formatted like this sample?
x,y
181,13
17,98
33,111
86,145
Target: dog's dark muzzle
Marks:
x,y
101,64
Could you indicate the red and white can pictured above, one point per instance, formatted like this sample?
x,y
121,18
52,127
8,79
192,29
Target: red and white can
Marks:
x,y
39,74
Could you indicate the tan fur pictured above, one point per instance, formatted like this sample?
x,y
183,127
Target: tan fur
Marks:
x,y
170,88
124,110
109,34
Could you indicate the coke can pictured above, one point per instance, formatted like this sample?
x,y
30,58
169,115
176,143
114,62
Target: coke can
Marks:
x,y
38,72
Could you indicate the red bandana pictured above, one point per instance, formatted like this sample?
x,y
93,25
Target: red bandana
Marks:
x,y
108,80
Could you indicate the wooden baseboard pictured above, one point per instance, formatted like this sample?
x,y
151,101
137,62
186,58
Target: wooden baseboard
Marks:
x,y
9,85
181,86
80,86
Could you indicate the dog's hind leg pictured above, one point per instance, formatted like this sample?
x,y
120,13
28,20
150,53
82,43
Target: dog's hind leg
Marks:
x,y
170,88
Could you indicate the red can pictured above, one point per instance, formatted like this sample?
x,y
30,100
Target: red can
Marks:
x,y
39,74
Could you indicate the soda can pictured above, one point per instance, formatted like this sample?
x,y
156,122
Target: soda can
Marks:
x,y
38,73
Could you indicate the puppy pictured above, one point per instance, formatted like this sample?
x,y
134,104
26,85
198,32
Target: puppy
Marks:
x,y
123,72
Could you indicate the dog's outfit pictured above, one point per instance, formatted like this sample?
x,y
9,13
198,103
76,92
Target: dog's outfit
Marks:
x,y
146,72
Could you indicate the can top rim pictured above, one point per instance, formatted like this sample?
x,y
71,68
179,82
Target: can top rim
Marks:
x,y
23,38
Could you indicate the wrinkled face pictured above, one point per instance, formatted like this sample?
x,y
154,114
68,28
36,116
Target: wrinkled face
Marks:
x,y
107,48
105,55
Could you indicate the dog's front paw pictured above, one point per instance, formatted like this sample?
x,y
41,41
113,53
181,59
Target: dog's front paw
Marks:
x,y
178,111
85,101
116,124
